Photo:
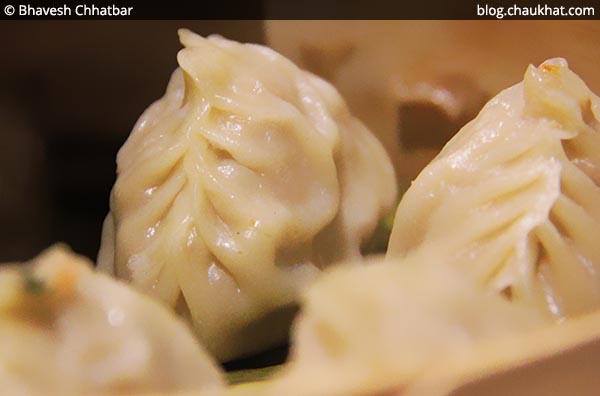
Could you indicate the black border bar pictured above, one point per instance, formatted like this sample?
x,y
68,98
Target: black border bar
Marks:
x,y
287,9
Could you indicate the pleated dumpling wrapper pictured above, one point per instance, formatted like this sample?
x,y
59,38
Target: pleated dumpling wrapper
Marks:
x,y
237,187
514,198
67,330
373,329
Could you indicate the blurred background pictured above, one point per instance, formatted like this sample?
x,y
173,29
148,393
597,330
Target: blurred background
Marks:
x,y
70,92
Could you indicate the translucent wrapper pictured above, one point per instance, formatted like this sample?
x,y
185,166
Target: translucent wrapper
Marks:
x,y
514,198
65,330
237,187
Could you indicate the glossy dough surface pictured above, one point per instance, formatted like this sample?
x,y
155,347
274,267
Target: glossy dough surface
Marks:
x,y
237,187
66,330
514,198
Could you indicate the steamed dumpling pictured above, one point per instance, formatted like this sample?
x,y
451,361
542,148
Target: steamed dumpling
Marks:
x,y
65,330
368,330
237,187
514,198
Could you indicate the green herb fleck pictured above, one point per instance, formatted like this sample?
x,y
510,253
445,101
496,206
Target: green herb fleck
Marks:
x,y
251,375
33,285
378,242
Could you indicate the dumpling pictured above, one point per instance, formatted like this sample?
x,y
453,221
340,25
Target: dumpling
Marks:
x,y
66,330
372,329
514,198
237,187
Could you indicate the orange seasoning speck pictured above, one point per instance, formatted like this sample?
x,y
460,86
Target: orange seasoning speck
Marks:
x,y
66,280
550,68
